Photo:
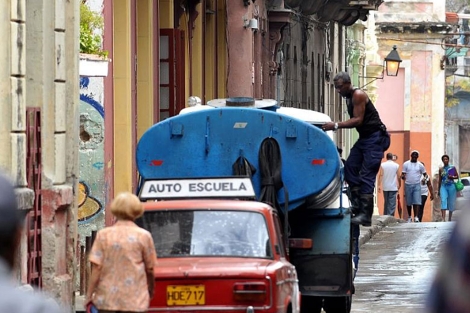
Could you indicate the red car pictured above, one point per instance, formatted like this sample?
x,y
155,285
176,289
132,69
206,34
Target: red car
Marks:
x,y
220,255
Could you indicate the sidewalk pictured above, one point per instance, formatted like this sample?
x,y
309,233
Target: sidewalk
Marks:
x,y
378,223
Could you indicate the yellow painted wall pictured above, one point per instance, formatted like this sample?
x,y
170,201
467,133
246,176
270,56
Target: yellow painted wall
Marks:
x,y
123,124
202,38
208,56
166,13
197,58
144,66
184,28
222,50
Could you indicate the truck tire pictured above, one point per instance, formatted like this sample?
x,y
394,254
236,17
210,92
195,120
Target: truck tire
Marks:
x,y
337,304
310,304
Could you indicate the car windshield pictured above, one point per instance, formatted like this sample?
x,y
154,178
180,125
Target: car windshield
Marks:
x,y
208,233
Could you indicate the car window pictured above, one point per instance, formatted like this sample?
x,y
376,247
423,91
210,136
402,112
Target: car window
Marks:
x,y
207,233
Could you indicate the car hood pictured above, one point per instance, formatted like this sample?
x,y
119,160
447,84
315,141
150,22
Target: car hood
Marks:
x,y
211,267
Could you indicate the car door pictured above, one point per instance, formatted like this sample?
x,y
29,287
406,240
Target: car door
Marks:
x,y
287,286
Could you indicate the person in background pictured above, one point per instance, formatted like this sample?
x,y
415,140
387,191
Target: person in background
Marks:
x,y
388,177
446,189
364,159
14,298
450,290
411,174
123,257
426,188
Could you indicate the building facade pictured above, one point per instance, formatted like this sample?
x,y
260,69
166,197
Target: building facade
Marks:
x,y
38,138
412,104
165,51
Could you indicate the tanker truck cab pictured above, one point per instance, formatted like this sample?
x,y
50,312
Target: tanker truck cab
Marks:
x,y
217,248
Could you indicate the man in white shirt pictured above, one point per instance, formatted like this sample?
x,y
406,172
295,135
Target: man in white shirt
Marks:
x,y
411,174
390,184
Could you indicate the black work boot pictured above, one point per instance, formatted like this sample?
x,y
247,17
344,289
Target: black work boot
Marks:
x,y
366,210
354,195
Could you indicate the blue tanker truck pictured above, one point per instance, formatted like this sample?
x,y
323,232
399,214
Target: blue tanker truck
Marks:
x,y
294,166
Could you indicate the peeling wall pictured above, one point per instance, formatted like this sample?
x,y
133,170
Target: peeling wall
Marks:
x,y
404,24
457,131
91,202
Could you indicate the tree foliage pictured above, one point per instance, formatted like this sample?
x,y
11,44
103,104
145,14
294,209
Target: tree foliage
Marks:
x,y
457,6
91,28
454,85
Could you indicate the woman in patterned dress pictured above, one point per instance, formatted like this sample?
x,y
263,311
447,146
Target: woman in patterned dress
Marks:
x,y
123,258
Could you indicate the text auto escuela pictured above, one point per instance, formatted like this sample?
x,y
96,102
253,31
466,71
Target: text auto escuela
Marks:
x,y
196,187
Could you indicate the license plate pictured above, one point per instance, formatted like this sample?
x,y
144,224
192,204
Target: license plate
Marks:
x,y
185,295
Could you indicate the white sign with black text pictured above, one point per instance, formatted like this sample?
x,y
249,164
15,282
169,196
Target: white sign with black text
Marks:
x,y
240,187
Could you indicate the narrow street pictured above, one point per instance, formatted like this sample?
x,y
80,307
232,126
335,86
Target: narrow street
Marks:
x,y
397,267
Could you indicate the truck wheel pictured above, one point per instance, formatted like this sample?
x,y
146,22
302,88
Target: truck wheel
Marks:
x,y
338,304
310,304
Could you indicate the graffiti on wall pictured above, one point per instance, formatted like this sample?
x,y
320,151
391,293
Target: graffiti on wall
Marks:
x,y
88,206
91,156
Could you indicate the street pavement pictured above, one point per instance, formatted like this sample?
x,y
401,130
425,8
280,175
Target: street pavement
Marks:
x,y
397,264
378,223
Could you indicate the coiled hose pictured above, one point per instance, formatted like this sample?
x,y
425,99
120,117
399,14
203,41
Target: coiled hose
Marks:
x,y
270,167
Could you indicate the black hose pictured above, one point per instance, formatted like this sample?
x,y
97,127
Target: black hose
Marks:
x,y
270,166
242,167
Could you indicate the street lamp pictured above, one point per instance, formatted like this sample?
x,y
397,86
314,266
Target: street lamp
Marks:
x,y
391,65
392,62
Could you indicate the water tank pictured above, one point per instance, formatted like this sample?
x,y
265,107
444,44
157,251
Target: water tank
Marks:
x,y
207,143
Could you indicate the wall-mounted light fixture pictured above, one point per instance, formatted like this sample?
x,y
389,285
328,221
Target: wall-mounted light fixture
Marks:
x,y
251,24
391,65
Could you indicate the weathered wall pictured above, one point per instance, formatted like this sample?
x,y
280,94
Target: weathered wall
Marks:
x,y
39,68
458,131
422,103
91,189
52,29
414,100
12,110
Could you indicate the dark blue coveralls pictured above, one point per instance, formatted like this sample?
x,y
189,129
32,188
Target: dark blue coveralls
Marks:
x,y
364,160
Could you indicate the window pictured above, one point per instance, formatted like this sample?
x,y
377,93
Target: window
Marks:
x,y
207,233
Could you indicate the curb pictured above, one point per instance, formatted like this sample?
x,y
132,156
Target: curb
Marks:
x,y
378,223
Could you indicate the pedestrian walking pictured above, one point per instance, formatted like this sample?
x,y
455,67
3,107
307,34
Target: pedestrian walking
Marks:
x,y
364,159
389,184
123,258
411,173
426,189
12,297
446,189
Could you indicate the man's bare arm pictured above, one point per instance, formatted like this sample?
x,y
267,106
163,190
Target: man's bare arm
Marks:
x,y
398,179
359,101
379,181
431,190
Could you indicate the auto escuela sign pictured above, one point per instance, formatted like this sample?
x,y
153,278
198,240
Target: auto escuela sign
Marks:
x,y
240,187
